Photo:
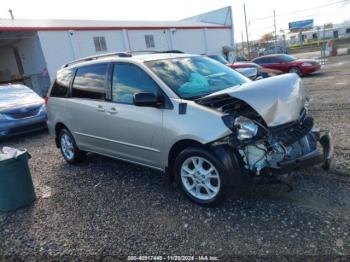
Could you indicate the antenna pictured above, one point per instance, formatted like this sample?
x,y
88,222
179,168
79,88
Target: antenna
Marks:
x,y
11,14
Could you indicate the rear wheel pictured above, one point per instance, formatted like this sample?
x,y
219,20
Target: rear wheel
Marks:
x,y
295,70
202,176
69,149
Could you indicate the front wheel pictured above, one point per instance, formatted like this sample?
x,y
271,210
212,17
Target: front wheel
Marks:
x,y
295,70
202,176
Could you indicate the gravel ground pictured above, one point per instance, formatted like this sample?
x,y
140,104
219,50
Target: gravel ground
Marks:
x,y
107,208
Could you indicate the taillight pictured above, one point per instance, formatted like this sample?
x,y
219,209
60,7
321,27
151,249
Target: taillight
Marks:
x,y
46,100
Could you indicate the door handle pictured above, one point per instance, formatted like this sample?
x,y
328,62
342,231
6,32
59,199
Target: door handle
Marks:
x,y
112,111
100,109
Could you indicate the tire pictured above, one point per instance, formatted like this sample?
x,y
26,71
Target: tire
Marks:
x,y
203,188
295,70
69,149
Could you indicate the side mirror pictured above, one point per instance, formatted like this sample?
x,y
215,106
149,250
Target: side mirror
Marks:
x,y
146,99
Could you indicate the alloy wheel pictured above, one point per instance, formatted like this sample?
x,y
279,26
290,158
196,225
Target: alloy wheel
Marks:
x,y
67,146
200,178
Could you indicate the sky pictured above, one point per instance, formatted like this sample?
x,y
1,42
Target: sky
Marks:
x,y
259,13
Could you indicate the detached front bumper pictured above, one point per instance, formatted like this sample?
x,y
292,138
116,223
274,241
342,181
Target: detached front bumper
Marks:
x,y
322,156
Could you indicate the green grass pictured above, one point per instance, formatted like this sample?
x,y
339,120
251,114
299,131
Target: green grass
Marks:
x,y
309,44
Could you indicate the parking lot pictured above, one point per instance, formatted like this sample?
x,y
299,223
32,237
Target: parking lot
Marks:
x,y
108,208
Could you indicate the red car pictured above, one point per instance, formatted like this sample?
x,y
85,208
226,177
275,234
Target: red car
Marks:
x,y
263,72
288,64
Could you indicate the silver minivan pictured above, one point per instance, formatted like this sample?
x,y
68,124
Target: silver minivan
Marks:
x,y
195,119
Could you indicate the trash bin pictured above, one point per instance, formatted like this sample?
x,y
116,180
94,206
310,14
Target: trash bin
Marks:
x,y
16,185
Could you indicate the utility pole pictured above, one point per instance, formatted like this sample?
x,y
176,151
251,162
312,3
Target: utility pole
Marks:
x,y
246,31
323,47
242,48
274,23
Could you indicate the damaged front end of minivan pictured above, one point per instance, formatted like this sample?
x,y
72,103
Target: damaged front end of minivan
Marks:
x,y
271,130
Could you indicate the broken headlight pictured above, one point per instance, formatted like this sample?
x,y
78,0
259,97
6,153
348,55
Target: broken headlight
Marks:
x,y
246,128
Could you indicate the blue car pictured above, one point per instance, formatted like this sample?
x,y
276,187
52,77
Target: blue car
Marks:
x,y
21,110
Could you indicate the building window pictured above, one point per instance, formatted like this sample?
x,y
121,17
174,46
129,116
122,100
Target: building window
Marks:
x,y
348,30
149,41
100,43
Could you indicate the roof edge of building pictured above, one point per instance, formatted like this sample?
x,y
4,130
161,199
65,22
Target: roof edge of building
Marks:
x,y
90,28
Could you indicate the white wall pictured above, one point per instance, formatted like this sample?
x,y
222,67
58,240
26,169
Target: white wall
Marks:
x,y
85,43
138,43
60,47
189,40
57,49
31,55
8,65
217,38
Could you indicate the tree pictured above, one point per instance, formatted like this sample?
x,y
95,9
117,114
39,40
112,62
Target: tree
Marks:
x,y
266,37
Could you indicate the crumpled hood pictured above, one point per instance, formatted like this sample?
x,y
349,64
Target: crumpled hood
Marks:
x,y
278,99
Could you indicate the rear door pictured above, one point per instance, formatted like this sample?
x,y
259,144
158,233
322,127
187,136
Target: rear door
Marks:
x,y
85,109
135,133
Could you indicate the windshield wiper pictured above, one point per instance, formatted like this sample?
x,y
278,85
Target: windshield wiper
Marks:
x,y
196,97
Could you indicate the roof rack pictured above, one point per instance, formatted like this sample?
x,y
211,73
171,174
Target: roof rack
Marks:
x,y
120,54
90,58
158,52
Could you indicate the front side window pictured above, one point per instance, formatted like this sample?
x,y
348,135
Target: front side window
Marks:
x,y
61,85
129,79
90,82
193,77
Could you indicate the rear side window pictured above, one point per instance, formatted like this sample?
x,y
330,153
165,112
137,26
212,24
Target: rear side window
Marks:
x,y
90,82
271,60
61,86
259,61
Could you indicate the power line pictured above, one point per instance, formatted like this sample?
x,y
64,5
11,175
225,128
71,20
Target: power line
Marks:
x,y
303,10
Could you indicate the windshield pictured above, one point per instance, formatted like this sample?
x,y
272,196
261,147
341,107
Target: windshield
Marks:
x,y
193,77
287,58
219,58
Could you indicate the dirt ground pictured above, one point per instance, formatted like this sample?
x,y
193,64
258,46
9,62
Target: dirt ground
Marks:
x,y
104,208
330,105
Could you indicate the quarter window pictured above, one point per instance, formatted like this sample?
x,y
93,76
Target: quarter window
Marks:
x,y
61,85
129,79
90,82
149,41
100,43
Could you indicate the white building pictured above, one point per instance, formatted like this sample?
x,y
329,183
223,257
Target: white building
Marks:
x,y
335,32
33,50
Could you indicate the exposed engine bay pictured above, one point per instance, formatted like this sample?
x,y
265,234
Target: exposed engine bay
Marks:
x,y
270,149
